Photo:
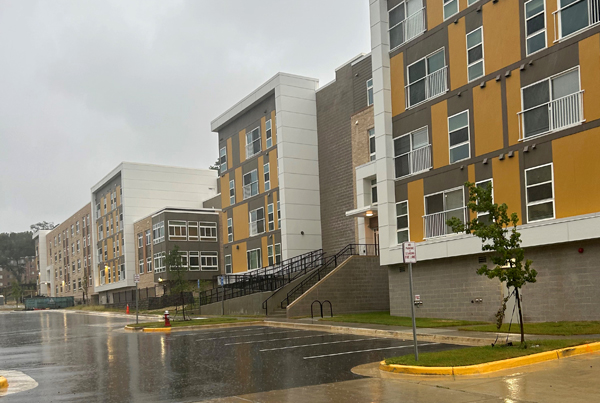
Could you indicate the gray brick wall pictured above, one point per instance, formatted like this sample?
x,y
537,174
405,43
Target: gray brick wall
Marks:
x,y
359,285
566,288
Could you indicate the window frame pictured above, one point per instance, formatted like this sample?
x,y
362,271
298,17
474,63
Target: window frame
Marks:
x,y
427,74
207,227
232,192
230,269
445,2
194,255
491,181
251,185
544,30
267,176
181,236
222,160
544,201
271,255
407,228
370,95
193,224
257,221
159,227
372,150
140,240
468,142
258,139
410,134
271,217
258,256
211,255
148,235
269,133
230,227
482,60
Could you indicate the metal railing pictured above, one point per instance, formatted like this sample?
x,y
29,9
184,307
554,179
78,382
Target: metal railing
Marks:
x,y
411,27
435,224
248,190
561,113
329,264
593,9
268,278
431,86
257,227
419,160
253,148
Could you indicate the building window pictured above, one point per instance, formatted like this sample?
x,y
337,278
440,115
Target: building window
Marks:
x,y
148,237
412,153
575,15
209,261
475,65
78,245
192,230
252,143
194,261
539,193
270,255
370,92
373,191
122,271
450,8
77,227
277,253
158,232
229,230
78,265
140,240
100,232
458,130
267,177
223,160
271,217
402,222
426,78
159,262
371,133
148,265
484,217
79,284
208,231
232,192
269,133
184,259
141,267
257,221
109,275
471,2
228,265
278,215
250,184
253,258
407,21
551,104
440,207
177,230
535,26
72,229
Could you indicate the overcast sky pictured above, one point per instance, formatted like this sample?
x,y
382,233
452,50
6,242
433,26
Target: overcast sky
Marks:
x,y
85,85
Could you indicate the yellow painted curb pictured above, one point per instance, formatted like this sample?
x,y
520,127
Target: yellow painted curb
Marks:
x,y
492,366
194,327
3,383
157,330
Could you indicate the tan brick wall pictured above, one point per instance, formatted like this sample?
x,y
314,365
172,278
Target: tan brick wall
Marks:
x,y
140,227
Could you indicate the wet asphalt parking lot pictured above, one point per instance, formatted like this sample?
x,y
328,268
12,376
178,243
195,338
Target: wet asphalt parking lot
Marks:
x,y
77,357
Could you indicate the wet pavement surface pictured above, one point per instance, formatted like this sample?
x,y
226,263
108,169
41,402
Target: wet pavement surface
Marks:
x,y
77,357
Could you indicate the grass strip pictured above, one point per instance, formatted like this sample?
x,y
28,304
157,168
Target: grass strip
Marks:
x,y
548,328
384,318
193,322
483,354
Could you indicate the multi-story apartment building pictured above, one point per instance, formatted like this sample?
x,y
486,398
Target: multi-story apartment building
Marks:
x,y
269,174
69,257
45,279
194,231
127,194
502,92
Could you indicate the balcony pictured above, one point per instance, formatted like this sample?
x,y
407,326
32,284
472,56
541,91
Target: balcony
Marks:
x,y
250,190
253,148
574,17
407,29
426,88
257,227
555,115
435,224
413,162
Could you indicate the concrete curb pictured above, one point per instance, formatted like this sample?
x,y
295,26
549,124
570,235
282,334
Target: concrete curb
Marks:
x,y
3,383
393,334
492,366
195,327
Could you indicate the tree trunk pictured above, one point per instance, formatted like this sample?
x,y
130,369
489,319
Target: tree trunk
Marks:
x,y
520,316
183,304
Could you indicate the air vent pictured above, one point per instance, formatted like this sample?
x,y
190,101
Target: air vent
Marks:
x,y
482,259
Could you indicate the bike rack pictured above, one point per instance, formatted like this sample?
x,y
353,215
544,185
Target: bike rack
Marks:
x,y
321,306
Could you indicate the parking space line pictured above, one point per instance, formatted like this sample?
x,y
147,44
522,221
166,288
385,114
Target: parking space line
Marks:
x,y
287,338
364,351
208,332
321,344
249,335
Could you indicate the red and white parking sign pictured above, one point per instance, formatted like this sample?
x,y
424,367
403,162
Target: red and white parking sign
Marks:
x,y
410,252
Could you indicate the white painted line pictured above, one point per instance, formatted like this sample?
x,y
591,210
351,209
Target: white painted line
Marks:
x,y
208,332
364,351
17,382
320,344
287,338
250,335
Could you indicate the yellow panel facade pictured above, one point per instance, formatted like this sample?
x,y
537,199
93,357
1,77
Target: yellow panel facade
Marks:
x,y
273,174
551,6
507,183
242,140
457,46
229,149
224,226
263,133
275,198
118,195
224,190
273,128
589,62
240,222
513,106
238,257
416,209
239,186
576,179
501,34
462,4
435,13
397,83
261,176
265,256
439,134
487,117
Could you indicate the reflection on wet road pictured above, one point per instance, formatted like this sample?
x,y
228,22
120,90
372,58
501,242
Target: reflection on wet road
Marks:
x,y
78,357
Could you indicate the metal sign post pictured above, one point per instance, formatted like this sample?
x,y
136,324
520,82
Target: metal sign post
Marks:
x,y
222,280
136,278
410,257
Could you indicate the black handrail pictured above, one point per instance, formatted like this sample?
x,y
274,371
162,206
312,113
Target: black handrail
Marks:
x,y
329,264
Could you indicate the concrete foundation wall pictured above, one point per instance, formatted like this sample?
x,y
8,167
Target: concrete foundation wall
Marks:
x,y
358,285
566,288
246,305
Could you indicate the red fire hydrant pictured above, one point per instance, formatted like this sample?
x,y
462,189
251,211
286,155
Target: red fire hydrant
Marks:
x,y
167,319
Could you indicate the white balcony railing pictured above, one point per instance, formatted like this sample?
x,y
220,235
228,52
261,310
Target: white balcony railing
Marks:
x,y
257,227
253,148
593,18
435,224
410,28
250,190
428,87
551,116
419,160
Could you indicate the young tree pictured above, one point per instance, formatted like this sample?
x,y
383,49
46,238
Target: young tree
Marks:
x,y
16,291
498,234
177,275
14,248
216,166
43,225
